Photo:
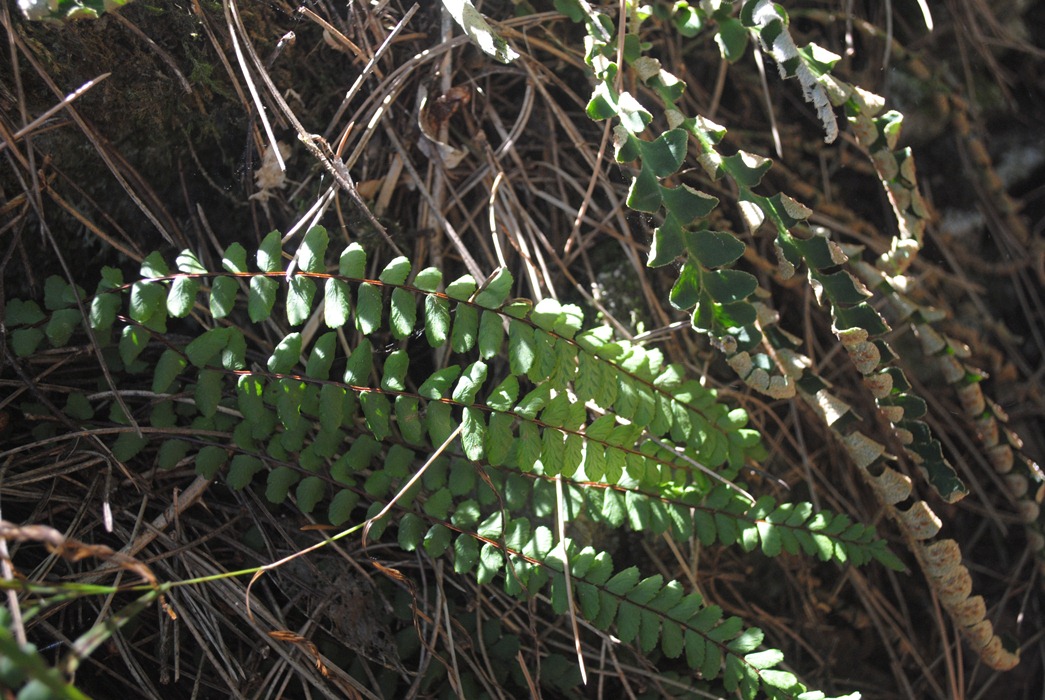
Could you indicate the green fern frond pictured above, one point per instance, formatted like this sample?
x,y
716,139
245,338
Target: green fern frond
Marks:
x,y
531,393
721,296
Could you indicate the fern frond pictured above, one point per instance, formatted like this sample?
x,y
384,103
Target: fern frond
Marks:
x,y
720,296
646,612
625,427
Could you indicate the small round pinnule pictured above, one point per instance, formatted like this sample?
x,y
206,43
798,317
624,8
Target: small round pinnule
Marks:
x,y
951,368
866,356
1028,511
979,635
941,557
955,587
971,397
987,430
921,521
863,450
998,657
880,384
892,486
1001,458
970,611
1017,484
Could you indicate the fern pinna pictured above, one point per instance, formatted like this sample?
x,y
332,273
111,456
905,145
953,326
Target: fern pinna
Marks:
x,y
528,417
